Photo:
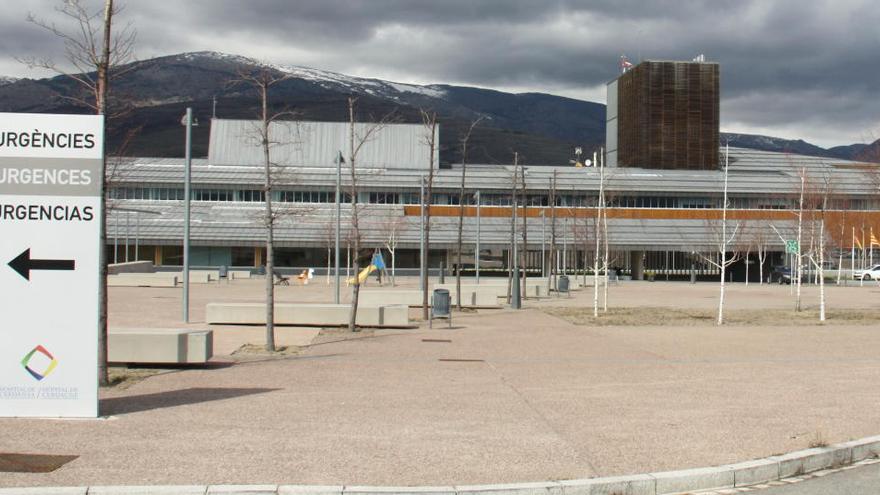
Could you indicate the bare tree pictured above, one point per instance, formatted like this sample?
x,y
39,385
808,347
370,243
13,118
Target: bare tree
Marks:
x,y
761,241
96,57
262,80
358,136
600,211
429,123
724,243
818,194
605,252
465,138
392,228
746,244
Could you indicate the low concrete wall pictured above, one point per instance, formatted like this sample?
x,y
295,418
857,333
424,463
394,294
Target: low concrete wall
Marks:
x,y
325,315
239,274
142,280
195,276
499,290
159,345
413,297
130,267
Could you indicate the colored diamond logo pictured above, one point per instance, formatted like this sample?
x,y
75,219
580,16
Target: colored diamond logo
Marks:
x,y
37,358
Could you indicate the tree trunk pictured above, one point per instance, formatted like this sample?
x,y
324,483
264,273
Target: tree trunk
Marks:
x,y
270,225
356,234
821,269
762,255
102,90
723,246
797,304
393,265
748,254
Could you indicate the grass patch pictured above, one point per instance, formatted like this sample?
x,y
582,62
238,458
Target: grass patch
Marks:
x,y
122,377
660,316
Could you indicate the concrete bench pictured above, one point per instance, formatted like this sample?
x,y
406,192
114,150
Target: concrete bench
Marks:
x,y
413,297
308,314
199,276
239,274
498,289
130,267
159,345
142,280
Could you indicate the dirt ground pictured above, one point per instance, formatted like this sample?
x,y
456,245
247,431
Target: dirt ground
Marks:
x,y
504,396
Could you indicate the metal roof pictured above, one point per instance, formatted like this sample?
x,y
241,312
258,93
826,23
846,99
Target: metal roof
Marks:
x,y
751,173
317,144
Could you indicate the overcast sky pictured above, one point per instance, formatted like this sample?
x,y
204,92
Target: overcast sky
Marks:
x,y
789,68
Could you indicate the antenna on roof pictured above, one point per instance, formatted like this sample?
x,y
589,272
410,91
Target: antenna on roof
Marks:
x,y
700,58
214,111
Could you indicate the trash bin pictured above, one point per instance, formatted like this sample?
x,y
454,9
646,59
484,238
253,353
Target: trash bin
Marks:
x,y
562,285
224,272
440,306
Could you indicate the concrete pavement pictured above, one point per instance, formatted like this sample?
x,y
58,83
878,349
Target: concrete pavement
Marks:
x,y
512,397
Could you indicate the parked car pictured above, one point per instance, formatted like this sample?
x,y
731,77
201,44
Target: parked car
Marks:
x,y
872,273
781,274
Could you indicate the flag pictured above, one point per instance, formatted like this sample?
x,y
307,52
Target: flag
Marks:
x,y
856,241
874,241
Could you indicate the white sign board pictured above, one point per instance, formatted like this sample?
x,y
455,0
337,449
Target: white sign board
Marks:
x,y
50,214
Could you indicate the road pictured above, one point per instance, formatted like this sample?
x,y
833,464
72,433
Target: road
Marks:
x,y
863,480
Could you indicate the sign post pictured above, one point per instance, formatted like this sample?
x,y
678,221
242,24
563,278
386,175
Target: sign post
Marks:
x,y
50,214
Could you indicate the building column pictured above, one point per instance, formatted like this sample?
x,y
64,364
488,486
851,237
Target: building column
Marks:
x,y
258,257
157,256
637,264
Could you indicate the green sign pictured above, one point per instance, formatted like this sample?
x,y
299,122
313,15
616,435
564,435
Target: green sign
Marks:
x,y
791,247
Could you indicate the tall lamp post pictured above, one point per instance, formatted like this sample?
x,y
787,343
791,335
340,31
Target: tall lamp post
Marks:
x,y
515,295
339,161
477,247
187,197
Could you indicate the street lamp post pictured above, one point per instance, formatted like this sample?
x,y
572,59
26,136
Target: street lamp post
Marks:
x,y
339,161
477,247
543,244
187,196
515,296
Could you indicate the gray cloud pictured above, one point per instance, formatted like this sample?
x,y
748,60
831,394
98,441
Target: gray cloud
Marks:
x,y
793,68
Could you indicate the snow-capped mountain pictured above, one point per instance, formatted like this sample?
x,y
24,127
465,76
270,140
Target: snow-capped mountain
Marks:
x,y
543,128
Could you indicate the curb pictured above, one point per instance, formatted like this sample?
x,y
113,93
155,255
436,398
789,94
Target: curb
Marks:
x,y
727,476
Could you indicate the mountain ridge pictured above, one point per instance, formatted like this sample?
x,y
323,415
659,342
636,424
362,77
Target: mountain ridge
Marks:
x,y
544,128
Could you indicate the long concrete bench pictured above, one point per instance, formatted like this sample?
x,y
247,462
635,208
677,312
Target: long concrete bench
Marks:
x,y
239,274
142,280
499,289
308,314
130,267
200,276
195,276
159,345
413,297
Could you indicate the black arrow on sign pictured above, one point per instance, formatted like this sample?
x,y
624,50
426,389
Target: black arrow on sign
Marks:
x,y
23,264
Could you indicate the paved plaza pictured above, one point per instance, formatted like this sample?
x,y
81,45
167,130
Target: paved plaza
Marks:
x,y
503,396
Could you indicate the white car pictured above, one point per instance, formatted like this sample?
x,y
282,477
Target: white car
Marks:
x,y
872,273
